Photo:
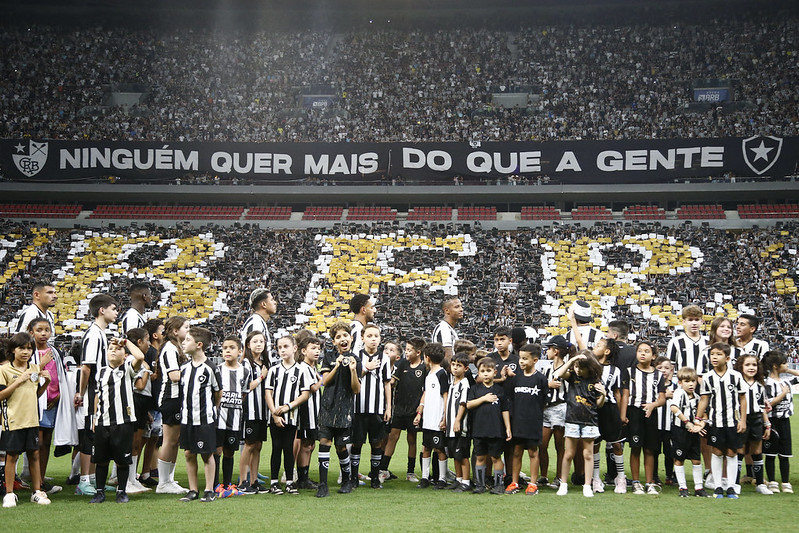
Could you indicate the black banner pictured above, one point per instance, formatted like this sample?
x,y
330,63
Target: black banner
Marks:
x,y
628,161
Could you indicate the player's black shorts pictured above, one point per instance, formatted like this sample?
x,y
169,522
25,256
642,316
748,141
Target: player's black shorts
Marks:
x,y
754,428
527,444
609,423
493,447
339,436
724,438
404,423
642,432
198,439
20,440
228,438
308,434
113,443
140,407
170,412
86,437
665,443
433,440
368,424
686,446
458,447
779,443
255,431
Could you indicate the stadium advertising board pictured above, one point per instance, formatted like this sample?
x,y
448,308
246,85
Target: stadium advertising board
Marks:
x,y
628,161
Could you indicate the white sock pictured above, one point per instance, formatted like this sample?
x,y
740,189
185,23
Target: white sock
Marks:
x,y
467,482
679,471
597,457
425,467
442,470
172,472
619,459
113,470
697,470
716,467
732,469
134,466
163,472
75,466
85,479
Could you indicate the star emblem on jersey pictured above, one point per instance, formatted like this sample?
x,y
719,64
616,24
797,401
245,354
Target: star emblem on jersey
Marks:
x,y
200,444
636,438
249,431
761,152
418,373
678,452
436,440
201,379
293,379
712,438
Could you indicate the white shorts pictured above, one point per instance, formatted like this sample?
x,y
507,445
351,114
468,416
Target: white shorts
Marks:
x,y
579,431
155,429
555,416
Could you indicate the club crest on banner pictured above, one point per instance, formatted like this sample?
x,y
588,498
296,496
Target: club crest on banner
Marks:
x,y
33,161
761,152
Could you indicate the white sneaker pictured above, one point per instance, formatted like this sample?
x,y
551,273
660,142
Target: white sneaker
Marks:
x,y
135,487
621,485
384,475
786,487
10,500
597,485
737,488
710,484
588,492
563,489
763,489
524,476
170,487
412,478
773,486
638,488
652,489
40,497
339,478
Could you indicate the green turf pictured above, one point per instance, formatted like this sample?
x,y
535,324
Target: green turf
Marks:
x,y
399,506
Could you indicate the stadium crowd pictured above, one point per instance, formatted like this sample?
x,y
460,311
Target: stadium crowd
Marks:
x,y
604,82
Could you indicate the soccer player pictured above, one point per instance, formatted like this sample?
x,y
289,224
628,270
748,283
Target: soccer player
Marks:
x,y
745,328
141,298
115,416
723,392
286,390
689,348
363,307
234,383
341,371
103,308
43,297
407,382
431,414
263,305
527,391
457,423
490,420
444,333
201,396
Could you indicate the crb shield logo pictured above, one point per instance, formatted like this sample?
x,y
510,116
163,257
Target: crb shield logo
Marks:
x,y
419,373
761,152
32,162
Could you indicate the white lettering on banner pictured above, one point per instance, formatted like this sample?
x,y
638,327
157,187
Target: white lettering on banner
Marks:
x,y
251,162
568,161
641,160
125,159
366,163
435,159
485,162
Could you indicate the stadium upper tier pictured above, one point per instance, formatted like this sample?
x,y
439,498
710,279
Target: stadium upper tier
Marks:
x,y
576,82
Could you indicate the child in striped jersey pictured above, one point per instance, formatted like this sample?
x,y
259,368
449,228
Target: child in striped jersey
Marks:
x,y
724,393
255,412
308,427
779,394
663,414
758,426
115,416
641,396
685,432
201,395
456,422
234,381
286,389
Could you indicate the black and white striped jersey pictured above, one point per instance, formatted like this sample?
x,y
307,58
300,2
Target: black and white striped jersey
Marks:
x,y
558,395
755,397
445,334
94,353
255,401
644,387
724,390
663,413
286,384
685,352
168,361
309,411
198,383
234,384
356,332
115,395
457,397
757,346
687,406
784,409
130,320
612,380
27,315
589,334
372,397
257,323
